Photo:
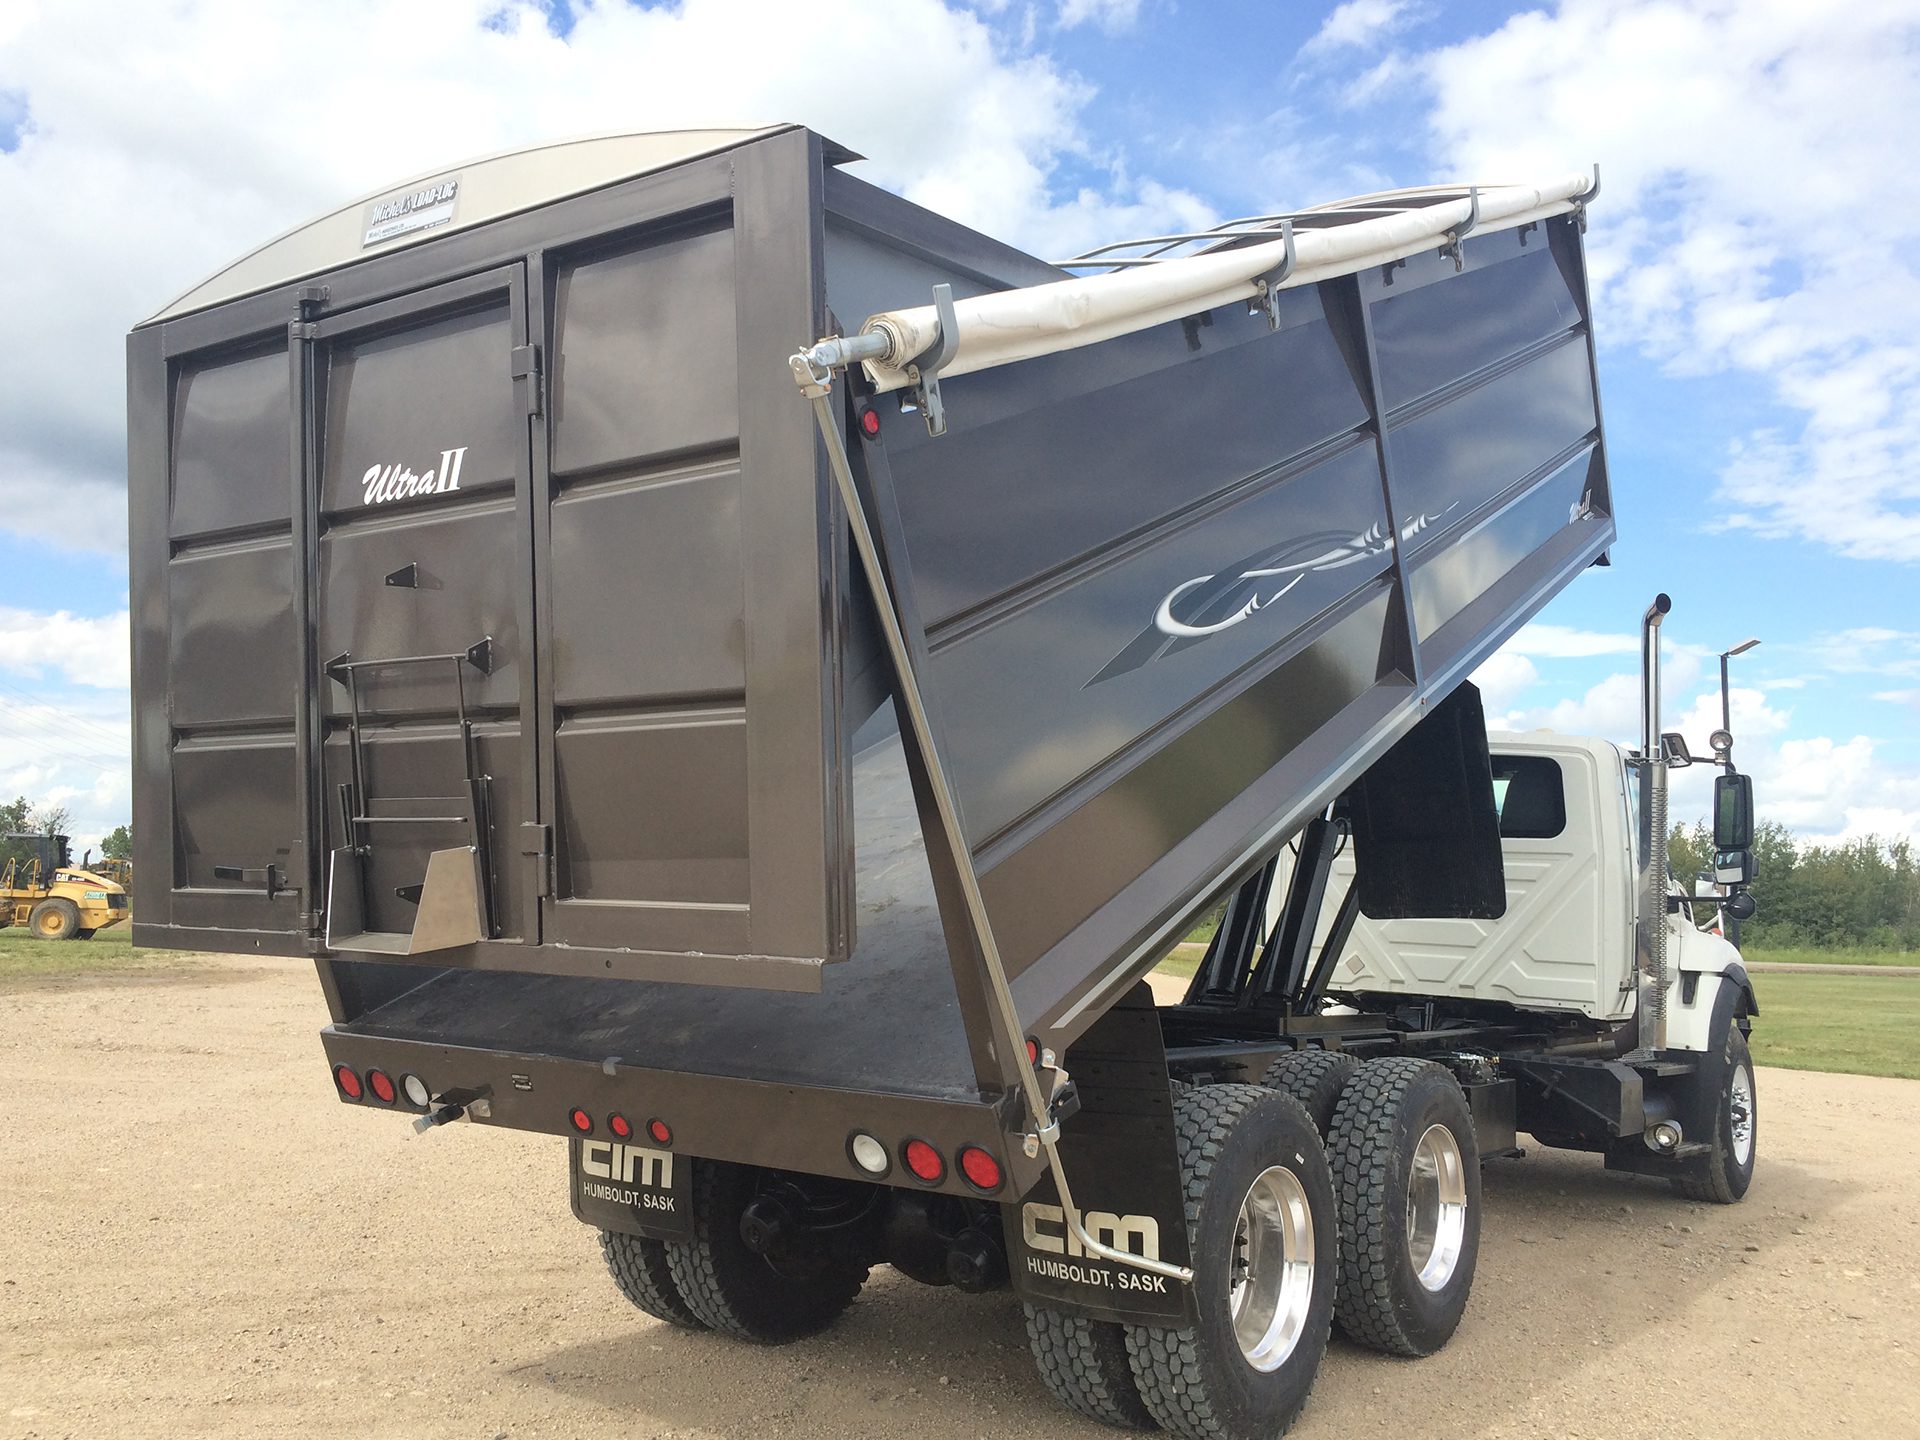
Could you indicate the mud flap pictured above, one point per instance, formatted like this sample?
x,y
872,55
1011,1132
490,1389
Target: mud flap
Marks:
x,y
630,1189
1121,1159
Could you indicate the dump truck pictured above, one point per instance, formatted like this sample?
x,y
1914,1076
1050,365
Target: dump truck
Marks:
x,y
42,890
721,665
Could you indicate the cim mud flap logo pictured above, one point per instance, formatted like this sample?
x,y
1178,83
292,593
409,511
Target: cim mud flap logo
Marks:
x,y
1045,1231
1051,1264
631,1188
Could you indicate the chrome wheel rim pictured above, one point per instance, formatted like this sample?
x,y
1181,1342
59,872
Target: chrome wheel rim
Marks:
x,y
1270,1269
1740,1114
1436,1207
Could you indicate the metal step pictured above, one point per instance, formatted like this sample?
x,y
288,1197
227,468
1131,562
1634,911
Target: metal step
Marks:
x,y
451,910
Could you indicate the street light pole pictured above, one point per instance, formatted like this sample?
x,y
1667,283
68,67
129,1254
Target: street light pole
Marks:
x,y
1731,923
1726,699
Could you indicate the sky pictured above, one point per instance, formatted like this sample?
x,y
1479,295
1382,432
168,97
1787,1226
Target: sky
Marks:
x,y
1753,251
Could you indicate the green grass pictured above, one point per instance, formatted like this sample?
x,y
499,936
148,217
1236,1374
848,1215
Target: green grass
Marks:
x,y
1803,955
110,952
1847,1024
1851,1024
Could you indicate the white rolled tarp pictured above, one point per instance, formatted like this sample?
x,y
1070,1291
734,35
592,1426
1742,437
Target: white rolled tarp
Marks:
x,y
1011,325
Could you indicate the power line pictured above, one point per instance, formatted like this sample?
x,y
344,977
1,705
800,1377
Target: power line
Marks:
x,y
32,729
80,722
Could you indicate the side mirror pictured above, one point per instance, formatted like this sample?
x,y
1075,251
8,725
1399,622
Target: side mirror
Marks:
x,y
1733,867
1732,812
1675,744
1740,905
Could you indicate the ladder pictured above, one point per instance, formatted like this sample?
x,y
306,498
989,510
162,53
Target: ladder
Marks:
x,y
453,903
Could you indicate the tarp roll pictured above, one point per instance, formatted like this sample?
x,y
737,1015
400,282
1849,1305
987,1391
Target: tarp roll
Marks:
x,y
1011,325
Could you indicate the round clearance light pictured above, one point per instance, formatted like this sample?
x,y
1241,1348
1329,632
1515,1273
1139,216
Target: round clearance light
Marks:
x,y
580,1120
348,1082
659,1132
870,422
980,1168
1033,1051
925,1162
868,1153
381,1084
416,1091
620,1125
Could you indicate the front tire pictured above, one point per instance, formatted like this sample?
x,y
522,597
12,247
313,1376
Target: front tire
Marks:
x,y
1735,1131
1408,1175
1260,1227
731,1289
55,920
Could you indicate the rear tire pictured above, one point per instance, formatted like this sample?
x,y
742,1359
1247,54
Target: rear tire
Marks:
x,y
1083,1362
1260,1227
736,1292
1735,1132
1408,1176
1315,1078
55,920
639,1267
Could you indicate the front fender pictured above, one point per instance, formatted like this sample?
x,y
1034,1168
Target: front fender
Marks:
x,y
1711,990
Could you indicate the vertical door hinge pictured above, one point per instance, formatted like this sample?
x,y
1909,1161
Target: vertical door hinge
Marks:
x,y
536,841
523,363
309,301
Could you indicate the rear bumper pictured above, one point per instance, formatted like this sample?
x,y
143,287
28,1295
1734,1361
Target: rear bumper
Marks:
x,y
716,1117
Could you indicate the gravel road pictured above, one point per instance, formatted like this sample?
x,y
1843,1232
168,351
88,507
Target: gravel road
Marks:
x,y
199,1240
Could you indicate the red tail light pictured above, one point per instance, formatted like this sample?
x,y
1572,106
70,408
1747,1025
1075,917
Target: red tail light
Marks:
x,y
348,1082
980,1168
925,1162
1033,1051
621,1126
580,1120
660,1133
381,1084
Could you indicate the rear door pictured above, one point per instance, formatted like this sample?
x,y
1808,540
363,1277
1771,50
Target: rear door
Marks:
x,y
419,414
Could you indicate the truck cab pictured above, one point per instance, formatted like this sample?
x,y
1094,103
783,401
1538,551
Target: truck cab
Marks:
x,y
1569,837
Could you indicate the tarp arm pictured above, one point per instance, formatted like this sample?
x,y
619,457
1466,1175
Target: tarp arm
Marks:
x,y
1235,265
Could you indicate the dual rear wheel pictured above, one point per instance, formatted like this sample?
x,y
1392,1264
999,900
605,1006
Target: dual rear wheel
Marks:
x,y
1375,1228
714,1281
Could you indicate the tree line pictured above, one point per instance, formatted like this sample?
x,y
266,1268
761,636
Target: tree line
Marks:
x,y
1862,893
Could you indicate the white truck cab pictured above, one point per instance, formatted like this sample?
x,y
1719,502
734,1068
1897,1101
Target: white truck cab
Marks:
x,y
1569,835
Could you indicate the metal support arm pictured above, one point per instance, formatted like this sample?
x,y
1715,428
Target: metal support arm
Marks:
x,y
816,383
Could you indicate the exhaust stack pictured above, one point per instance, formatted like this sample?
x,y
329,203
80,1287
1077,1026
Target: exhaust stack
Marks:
x,y
1651,937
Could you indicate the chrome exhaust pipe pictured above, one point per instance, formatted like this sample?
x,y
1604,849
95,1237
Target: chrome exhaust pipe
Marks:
x,y
1651,932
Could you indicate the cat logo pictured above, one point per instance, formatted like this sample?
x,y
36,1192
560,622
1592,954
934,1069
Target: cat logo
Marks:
x,y
628,1164
1045,1229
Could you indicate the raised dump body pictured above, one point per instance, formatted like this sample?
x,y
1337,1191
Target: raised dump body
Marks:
x,y
720,663
495,611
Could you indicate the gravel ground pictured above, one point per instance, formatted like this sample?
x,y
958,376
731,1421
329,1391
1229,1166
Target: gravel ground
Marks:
x,y
199,1240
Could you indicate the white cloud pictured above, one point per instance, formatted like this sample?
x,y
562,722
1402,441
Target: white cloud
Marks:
x,y
1821,787
1503,679
1755,218
1112,16
69,749
1565,642
1357,24
83,650
163,141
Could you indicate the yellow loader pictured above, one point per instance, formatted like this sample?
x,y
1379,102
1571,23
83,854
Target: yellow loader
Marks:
x,y
39,889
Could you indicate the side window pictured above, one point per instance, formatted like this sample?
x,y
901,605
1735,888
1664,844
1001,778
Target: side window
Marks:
x,y
1528,793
